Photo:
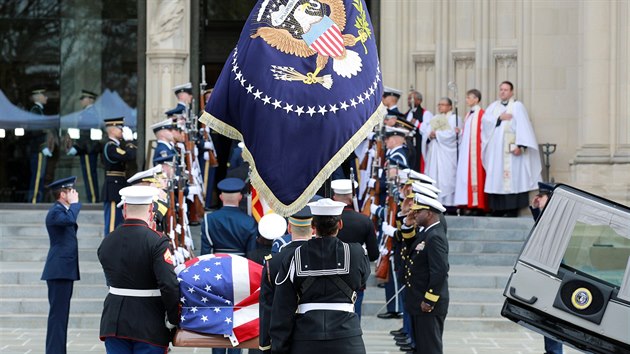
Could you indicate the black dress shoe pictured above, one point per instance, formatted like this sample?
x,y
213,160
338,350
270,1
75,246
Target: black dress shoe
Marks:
x,y
407,348
388,315
403,343
401,337
397,332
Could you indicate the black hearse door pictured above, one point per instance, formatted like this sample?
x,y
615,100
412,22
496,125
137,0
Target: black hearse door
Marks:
x,y
571,281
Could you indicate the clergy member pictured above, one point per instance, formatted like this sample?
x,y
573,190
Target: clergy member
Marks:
x,y
510,154
440,149
471,176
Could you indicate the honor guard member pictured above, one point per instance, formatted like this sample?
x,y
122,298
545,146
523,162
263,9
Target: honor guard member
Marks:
x,y
84,147
426,292
62,263
270,227
40,151
357,228
390,99
316,289
300,231
184,95
160,204
116,154
164,147
143,301
281,242
229,229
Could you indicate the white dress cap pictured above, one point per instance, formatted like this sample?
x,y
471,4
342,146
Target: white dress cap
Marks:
x,y
272,226
422,199
150,173
139,195
326,207
343,186
417,176
422,189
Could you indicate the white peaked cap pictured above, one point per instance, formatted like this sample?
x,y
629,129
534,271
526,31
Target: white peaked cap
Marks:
x,y
139,195
326,207
145,174
422,189
272,226
421,199
415,175
343,186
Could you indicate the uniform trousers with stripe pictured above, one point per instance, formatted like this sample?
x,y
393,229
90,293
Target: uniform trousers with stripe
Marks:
x,y
113,216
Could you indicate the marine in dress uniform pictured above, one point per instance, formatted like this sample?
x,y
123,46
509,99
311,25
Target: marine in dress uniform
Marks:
x,y
39,150
426,294
229,229
357,228
143,294
86,149
316,289
62,263
299,227
116,155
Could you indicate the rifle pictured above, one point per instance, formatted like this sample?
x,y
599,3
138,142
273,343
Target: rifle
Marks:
x,y
383,264
196,207
355,202
170,215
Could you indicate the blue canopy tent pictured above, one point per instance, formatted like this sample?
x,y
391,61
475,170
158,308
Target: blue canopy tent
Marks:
x,y
12,117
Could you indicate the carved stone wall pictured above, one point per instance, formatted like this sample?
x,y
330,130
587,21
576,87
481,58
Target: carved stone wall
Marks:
x,y
569,62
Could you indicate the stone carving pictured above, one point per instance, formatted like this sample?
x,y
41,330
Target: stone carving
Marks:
x,y
169,19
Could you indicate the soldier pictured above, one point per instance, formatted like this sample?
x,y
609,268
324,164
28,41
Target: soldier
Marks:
x,y
426,292
162,131
85,148
62,263
357,228
143,301
229,229
390,100
160,202
40,150
299,228
316,290
270,227
184,96
115,158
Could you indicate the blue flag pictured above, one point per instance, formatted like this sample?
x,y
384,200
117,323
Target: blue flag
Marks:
x,y
301,89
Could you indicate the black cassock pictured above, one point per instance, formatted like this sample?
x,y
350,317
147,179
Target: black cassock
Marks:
x,y
427,280
134,257
313,309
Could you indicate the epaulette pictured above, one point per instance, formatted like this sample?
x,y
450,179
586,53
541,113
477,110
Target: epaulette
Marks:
x,y
268,257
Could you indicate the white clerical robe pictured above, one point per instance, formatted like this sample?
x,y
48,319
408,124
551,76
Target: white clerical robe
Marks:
x,y
440,154
471,176
507,173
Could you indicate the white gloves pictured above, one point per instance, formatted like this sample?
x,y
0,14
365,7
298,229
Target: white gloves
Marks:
x,y
370,136
371,183
383,251
388,229
208,145
194,190
372,153
206,156
72,151
46,151
127,134
167,323
374,209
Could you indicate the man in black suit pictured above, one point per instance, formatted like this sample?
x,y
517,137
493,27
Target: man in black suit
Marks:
x,y
426,297
62,263
357,228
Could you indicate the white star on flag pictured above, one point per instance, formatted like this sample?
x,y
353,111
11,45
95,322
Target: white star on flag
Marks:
x,y
182,318
182,300
322,110
311,111
204,299
206,270
204,318
266,100
208,287
228,320
217,263
217,310
299,110
238,76
217,277
249,88
257,94
344,106
191,290
288,108
353,103
333,108
235,68
194,309
276,104
196,277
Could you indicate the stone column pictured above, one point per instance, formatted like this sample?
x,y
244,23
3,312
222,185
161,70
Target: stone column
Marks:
x,y
594,94
168,56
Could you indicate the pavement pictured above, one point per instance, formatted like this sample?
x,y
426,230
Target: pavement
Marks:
x,y
520,341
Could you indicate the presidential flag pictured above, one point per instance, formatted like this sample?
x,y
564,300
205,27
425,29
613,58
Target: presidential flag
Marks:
x,y
220,296
301,89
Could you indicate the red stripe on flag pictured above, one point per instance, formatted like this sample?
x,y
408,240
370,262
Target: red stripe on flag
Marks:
x,y
330,43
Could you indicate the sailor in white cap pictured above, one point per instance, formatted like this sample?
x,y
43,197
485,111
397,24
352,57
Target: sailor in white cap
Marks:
x,y
357,228
164,136
270,227
142,288
426,274
316,287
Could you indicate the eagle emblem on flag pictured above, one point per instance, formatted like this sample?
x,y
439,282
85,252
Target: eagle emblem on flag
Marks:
x,y
317,33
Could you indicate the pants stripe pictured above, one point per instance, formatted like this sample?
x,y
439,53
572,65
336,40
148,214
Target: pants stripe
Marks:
x,y
38,175
112,216
90,182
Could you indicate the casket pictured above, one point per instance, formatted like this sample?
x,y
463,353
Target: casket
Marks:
x,y
184,338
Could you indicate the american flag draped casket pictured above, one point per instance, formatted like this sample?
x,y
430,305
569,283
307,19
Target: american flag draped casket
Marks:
x,y
219,299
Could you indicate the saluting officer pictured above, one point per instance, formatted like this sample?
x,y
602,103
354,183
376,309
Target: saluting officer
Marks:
x,y
62,263
426,294
229,229
116,155
316,289
143,301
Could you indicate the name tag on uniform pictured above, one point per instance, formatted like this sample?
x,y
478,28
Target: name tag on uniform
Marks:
x,y
420,246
